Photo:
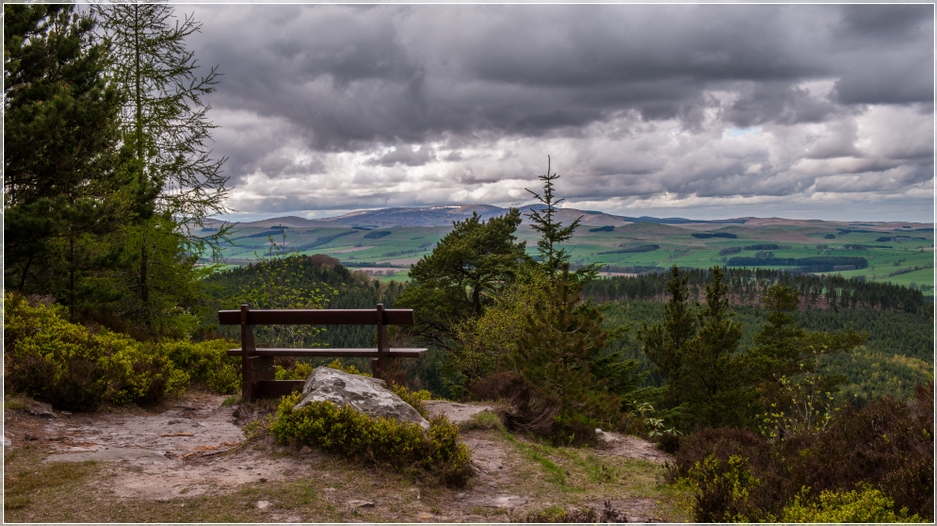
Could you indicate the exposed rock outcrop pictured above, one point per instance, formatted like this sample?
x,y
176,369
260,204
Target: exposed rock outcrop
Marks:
x,y
368,395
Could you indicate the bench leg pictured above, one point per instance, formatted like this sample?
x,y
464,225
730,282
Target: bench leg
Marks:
x,y
256,369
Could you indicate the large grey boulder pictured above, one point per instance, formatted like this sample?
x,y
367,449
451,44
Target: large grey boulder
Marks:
x,y
368,395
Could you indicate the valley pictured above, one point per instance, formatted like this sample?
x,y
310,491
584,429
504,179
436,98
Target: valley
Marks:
x,y
384,243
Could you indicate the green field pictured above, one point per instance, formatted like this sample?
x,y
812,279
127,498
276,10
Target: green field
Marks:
x,y
906,258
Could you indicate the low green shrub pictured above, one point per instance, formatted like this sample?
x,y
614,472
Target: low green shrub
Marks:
x,y
298,371
350,369
414,398
867,505
354,435
78,368
735,474
207,363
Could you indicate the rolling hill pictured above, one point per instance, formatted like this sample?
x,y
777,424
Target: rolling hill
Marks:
x,y
386,242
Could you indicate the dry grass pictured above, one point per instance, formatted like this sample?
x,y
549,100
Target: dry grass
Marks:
x,y
546,479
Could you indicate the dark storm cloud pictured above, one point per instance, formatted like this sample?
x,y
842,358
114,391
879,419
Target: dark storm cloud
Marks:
x,y
645,100
772,102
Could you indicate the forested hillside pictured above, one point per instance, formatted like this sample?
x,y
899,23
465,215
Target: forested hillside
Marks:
x,y
748,286
301,282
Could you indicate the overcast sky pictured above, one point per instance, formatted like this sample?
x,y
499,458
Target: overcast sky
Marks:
x,y
699,111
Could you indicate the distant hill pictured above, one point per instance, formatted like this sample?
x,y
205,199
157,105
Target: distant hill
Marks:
x,y
444,215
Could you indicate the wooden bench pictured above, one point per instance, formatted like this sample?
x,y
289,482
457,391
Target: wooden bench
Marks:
x,y
257,372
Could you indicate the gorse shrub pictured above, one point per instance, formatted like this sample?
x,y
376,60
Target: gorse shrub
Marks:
x,y
354,435
350,369
867,505
77,368
414,398
298,371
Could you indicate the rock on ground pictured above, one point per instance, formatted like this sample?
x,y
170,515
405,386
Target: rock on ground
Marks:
x,y
368,395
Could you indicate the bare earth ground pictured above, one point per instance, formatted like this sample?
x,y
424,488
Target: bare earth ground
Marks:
x,y
195,447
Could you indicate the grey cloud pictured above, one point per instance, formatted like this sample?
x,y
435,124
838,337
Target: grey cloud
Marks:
x,y
841,143
773,102
350,76
483,88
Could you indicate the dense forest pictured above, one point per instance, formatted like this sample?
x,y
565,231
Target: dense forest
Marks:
x,y
748,286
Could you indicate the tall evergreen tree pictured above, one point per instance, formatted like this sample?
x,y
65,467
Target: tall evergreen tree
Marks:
x,y
785,364
165,123
666,344
62,185
552,232
557,353
706,381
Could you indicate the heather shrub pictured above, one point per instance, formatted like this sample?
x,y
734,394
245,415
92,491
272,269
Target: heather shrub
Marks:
x,y
354,435
888,444
735,473
870,462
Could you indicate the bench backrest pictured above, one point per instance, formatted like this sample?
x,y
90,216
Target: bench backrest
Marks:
x,y
379,316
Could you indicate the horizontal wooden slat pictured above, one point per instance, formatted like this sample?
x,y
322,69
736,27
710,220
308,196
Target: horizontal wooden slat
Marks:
x,y
316,317
329,351
277,388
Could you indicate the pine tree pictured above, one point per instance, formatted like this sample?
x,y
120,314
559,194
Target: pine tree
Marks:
x,y
63,188
707,384
552,231
165,123
665,345
469,264
556,357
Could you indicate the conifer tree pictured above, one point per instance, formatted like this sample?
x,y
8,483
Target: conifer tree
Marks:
x,y
469,264
62,187
164,122
556,356
552,232
706,382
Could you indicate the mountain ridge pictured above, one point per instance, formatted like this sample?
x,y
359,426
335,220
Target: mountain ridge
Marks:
x,y
445,215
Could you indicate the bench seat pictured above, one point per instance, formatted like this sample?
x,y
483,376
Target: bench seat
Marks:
x,y
330,352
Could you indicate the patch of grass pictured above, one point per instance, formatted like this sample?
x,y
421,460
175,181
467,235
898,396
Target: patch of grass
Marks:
x,y
15,403
597,471
231,400
27,480
538,453
483,420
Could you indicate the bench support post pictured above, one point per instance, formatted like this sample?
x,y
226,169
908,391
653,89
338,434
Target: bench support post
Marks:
x,y
379,364
253,368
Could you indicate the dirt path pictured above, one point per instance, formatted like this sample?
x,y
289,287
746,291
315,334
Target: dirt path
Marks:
x,y
196,446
